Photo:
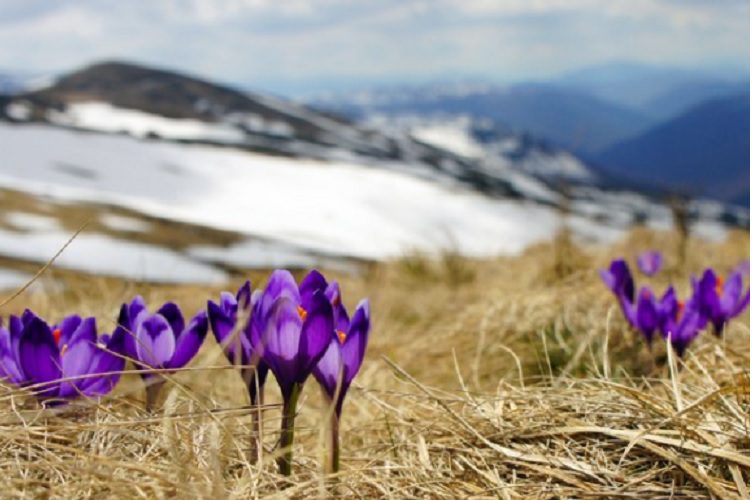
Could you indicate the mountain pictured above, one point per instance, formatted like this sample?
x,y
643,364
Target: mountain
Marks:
x,y
656,91
568,118
704,151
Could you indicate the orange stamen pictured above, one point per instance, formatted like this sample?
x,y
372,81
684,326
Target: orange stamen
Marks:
x,y
679,308
56,335
718,284
302,313
341,336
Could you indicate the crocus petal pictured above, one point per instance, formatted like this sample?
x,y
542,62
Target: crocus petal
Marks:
x,y
135,308
39,356
354,347
174,316
107,360
647,317
281,284
330,371
334,295
243,297
189,341
155,341
67,327
619,280
740,306
78,357
316,334
222,324
650,262
9,368
279,344
312,283
732,290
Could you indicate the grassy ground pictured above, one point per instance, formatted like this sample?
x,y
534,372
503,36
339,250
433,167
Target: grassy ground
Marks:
x,y
504,378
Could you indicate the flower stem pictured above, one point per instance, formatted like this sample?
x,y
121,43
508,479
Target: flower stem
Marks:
x,y
334,443
153,388
287,433
256,397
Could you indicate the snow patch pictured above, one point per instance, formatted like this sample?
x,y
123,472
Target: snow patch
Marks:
x,y
125,224
10,279
100,254
31,222
104,117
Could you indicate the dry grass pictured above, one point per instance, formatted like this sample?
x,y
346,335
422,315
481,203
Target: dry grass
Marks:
x,y
505,378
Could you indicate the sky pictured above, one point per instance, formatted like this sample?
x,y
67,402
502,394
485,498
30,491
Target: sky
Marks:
x,y
290,46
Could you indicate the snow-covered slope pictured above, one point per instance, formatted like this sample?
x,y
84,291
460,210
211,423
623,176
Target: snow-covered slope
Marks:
x,y
294,186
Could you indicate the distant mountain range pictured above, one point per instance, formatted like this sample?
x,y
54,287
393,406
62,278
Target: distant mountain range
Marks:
x,y
568,118
655,91
704,151
602,114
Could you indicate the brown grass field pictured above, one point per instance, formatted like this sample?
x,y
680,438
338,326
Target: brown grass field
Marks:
x,y
504,378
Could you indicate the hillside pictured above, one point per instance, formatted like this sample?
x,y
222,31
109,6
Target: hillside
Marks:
x,y
509,377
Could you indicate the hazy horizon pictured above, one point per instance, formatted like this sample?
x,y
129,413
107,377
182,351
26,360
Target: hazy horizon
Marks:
x,y
306,47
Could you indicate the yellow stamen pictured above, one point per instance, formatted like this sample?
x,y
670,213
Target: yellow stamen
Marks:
x,y
341,336
64,349
302,313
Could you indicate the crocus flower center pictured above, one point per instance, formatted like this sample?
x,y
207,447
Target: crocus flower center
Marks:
x,y
302,313
56,335
341,336
718,284
679,308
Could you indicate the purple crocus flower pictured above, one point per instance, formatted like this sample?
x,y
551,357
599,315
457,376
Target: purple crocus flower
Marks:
x,y
682,322
236,339
618,279
347,346
342,359
720,301
159,340
60,362
641,313
650,262
291,327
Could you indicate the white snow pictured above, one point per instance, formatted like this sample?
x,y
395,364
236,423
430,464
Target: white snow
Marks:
x,y
100,254
301,206
125,224
450,137
31,222
336,208
104,117
19,110
10,278
253,254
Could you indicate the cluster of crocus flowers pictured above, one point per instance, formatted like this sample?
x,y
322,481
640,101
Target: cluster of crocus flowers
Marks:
x,y
711,301
59,362
293,330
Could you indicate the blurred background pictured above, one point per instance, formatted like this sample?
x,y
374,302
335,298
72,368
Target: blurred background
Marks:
x,y
196,139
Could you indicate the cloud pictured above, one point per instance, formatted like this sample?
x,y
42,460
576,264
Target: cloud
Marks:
x,y
270,43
